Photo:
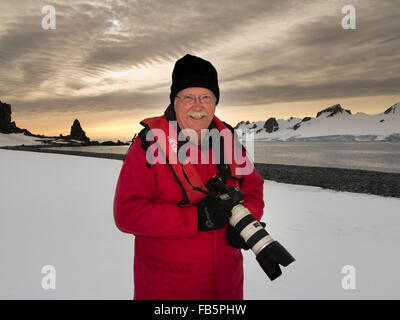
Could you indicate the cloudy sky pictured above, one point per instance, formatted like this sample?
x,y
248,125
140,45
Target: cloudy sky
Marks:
x,y
109,63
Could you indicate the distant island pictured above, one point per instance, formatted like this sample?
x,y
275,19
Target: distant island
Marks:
x,y
331,124
77,136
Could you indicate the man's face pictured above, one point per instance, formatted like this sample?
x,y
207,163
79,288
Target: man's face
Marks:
x,y
195,116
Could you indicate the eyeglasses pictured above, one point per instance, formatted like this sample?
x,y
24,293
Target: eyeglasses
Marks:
x,y
190,99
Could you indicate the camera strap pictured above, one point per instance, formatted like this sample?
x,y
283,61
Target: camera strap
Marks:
x,y
185,174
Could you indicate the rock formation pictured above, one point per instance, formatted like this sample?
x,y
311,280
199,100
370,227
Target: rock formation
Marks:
x,y
332,110
6,125
271,125
5,118
241,123
393,109
77,132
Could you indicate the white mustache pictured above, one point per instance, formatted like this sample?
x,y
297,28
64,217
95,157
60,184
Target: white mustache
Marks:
x,y
197,114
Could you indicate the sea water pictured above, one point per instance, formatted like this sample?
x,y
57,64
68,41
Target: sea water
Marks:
x,y
376,156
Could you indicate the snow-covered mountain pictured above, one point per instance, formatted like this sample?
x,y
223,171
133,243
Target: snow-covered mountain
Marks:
x,y
331,124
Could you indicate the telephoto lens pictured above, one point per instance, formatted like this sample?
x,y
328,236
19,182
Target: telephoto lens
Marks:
x,y
269,252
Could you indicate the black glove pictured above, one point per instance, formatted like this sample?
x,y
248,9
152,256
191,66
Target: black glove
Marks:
x,y
213,212
235,240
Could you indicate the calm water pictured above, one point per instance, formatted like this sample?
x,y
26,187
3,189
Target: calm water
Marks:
x,y
378,156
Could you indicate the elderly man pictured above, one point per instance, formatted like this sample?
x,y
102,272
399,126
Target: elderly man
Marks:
x,y
184,246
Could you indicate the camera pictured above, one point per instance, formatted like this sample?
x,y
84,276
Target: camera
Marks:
x,y
270,254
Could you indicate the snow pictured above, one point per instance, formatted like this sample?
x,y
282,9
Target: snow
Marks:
x,y
57,210
341,124
326,230
17,139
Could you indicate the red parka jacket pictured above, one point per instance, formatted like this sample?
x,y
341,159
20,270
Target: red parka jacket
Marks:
x,y
172,260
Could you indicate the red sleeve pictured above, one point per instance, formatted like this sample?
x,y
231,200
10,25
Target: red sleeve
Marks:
x,y
253,191
136,212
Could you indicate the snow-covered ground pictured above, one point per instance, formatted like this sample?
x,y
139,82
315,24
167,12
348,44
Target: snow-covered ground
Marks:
x,y
57,210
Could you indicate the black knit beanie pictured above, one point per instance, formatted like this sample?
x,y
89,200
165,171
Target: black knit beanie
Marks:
x,y
192,71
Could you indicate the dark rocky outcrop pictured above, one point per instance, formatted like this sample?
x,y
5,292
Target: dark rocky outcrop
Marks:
x,y
6,125
332,110
241,123
5,118
113,143
253,126
271,125
298,124
393,109
77,132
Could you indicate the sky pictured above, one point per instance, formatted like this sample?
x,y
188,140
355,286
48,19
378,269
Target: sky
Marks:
x,y
109,63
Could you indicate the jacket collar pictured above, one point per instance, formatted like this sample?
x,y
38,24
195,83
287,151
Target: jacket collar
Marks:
x,y
169,113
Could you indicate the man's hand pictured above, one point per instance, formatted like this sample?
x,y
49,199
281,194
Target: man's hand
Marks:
x,y
213,212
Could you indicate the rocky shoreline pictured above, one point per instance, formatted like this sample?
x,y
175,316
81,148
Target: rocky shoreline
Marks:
x,y
351,180
359,181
